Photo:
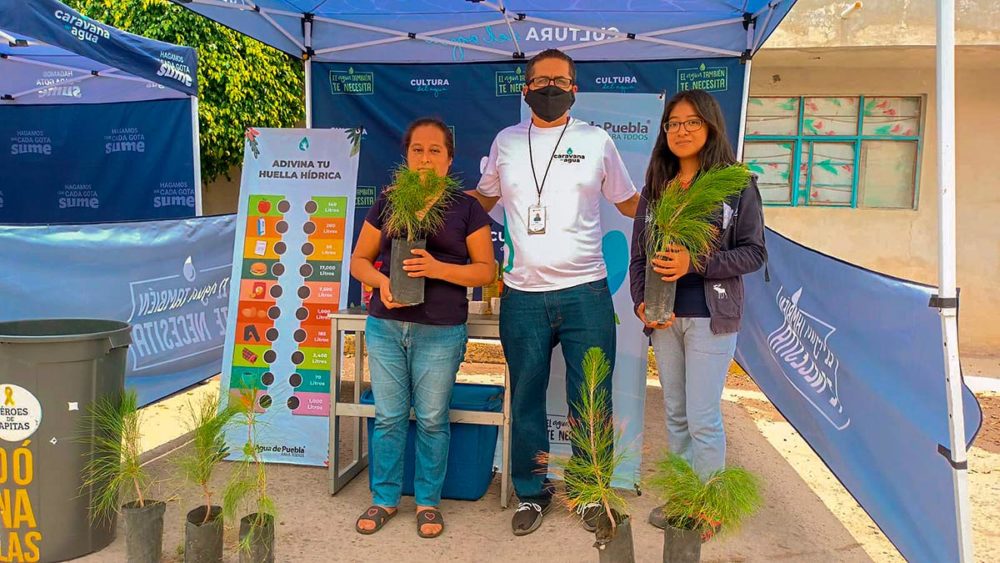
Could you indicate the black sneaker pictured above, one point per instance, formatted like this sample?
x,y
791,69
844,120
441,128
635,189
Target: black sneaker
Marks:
x,y
528,517
589,515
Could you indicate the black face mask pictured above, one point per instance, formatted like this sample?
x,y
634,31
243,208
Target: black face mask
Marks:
x,y
549,103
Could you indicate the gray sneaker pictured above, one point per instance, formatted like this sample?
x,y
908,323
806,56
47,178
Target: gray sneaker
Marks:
x,y
589,515
657,518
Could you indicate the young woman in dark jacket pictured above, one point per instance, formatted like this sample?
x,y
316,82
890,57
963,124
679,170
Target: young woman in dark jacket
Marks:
x,y
694,349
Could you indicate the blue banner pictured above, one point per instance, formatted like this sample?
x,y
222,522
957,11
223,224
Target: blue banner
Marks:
x,y
96,162
853,359
478,100
168,279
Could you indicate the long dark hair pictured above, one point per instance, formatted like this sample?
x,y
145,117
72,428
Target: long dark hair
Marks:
x,y
664,165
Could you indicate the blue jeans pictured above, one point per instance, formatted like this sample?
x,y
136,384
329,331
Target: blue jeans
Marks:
x,y
531,325
411,364
693,363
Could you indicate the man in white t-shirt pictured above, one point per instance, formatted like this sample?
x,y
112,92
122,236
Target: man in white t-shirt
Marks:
x,y
551,172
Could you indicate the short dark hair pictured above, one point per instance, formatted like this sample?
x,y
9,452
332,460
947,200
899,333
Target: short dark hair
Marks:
x,y
449,137
664,165
550,54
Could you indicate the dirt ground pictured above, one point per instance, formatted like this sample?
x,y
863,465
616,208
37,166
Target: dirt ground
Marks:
x,y
807,515
989,435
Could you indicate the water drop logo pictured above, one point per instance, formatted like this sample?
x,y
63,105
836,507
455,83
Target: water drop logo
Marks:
x,y
189,272
304,144
614,246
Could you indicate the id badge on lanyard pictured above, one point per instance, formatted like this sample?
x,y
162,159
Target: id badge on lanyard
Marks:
x,y
537,217
536,220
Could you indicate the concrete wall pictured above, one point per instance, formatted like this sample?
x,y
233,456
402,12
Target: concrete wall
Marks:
x,y
817,23
222,195
904,242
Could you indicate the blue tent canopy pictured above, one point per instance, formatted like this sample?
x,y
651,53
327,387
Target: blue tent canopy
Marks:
x,y
102,124
50,54
435,31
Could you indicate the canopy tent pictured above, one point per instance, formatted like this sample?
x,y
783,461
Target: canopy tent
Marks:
x,y
436,32
346,30
79,91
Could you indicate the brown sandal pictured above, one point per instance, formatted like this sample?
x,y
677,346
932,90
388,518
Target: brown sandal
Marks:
x,y
375,514
429,516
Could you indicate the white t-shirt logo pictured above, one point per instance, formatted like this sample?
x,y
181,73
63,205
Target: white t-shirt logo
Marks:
x,y
585,168
570,157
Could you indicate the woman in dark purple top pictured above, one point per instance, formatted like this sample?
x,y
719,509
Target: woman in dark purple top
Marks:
x,y
414,351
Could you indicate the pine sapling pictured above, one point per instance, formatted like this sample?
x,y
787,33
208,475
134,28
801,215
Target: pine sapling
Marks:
x,y
417,201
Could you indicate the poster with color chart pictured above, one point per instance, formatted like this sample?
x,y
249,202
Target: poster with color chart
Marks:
x,y
290,260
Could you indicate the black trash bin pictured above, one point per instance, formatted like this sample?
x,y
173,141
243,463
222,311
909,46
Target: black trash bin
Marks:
x,y
51,371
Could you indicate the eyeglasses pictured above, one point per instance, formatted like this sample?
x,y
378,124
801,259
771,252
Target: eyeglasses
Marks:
x,y
543,81
690,125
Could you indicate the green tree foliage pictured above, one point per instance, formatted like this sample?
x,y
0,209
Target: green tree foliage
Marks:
x,y
114,471
409,215
242,82
683,216
725,499
589,476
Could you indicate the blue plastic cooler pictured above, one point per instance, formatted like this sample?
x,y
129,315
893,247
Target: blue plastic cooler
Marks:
x,y
470,456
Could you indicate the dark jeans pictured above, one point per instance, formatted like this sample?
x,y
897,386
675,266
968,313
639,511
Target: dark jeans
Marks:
x,y
531,324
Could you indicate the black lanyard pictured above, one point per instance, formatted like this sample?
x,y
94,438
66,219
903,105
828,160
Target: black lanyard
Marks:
x,y
531,158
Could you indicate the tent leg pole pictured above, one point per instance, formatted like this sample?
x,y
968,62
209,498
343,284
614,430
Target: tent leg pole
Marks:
x,y
199,209
956,424
309,113
947,270
745,99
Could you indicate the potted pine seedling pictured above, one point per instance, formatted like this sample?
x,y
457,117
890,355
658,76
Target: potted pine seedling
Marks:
x,y
588,475
203,525
696,509
247,487
682,217
114,474
416,207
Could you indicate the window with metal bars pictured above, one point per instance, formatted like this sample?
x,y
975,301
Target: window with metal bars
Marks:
x,y
844,151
